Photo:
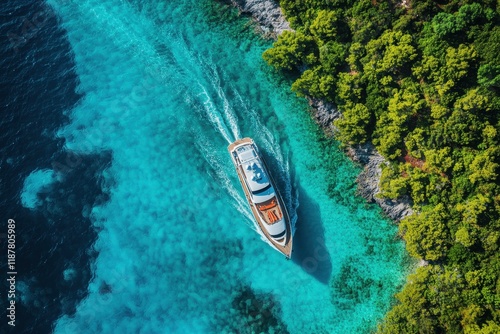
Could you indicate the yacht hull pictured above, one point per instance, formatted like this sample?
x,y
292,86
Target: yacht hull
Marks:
x,y
283,245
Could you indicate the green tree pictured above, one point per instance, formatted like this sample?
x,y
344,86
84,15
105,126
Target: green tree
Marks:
x,y
489,75
470,13
315,82
389,54
445,24
332,55
392,183
324,27
289,51
353,125
415,142
421,81
412,313
484,168
349,87
458,61
438,160
426,233
392,127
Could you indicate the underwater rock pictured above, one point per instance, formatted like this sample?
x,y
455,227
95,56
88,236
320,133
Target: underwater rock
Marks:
x,y
351,286
258,313
105,288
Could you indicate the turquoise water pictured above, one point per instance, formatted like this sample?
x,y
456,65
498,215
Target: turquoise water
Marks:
x,y
166,86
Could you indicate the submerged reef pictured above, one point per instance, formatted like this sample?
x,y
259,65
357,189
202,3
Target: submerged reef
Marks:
x,y
258,313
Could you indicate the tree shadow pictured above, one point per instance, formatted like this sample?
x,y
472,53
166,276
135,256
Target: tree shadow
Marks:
x,y
309,249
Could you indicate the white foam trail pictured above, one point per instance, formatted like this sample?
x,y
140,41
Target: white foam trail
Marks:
x,y
228,111
196,66
208,152
214,116
230,116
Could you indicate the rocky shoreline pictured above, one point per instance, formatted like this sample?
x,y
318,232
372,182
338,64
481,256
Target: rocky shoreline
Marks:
x,y
271,20
365,154
266,13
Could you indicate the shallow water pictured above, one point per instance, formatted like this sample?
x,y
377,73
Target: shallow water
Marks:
x,y
165,87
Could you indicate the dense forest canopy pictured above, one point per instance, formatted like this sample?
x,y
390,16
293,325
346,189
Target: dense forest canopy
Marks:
x,y
421,81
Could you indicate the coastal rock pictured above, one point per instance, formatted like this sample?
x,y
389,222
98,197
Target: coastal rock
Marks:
x,y
267,13
324,113
368,182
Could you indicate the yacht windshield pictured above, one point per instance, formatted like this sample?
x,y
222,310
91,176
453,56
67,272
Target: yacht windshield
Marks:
x,y
258,192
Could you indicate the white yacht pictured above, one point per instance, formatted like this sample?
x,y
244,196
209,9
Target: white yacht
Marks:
x,y
262,195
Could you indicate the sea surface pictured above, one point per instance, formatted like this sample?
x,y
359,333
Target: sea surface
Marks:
x,y
116,116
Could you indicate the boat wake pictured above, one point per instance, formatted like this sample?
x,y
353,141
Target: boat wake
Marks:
x,y
215,117
229,113
219,169
210,100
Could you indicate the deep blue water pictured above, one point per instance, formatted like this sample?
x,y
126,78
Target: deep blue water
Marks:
x,y
115,120
38,84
